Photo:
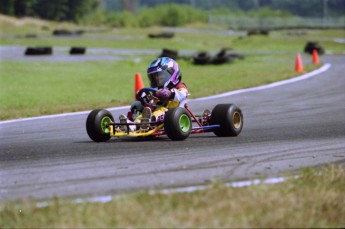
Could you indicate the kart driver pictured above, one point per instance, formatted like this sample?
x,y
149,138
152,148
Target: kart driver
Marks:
x,y
165,79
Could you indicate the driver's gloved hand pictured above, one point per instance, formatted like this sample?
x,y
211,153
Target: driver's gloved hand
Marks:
x,y
144,95
163,94
136,106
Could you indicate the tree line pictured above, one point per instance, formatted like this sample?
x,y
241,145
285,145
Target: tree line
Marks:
x,y
305,8
127,12
56,10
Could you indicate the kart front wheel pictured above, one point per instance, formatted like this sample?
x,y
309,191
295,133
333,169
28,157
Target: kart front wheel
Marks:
x,y
177,124
97,125
230,119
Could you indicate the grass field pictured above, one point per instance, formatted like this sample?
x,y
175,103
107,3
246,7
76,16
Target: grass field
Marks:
x,y
314,200
13,33
137,39
38,88
32,89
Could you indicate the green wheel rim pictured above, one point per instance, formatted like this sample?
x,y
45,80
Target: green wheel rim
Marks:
x,y
184,123
105,124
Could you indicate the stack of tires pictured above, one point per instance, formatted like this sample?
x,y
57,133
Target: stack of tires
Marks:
x,y
311,45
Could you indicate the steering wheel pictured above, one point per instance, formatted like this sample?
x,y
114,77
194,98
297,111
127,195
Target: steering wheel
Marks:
x,y
146,95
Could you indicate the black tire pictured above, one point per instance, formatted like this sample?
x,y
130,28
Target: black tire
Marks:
x,y
230,119
96,124
77,51
177,124
310,46
173,54
202,58
34,51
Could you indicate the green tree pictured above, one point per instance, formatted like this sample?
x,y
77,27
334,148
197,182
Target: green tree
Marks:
x,y
52,10
18,8
7,7
77,9
59,10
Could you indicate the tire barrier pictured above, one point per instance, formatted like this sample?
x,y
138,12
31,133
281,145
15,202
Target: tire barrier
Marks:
x,y
222,57
264,32
165,35
65,32
77,51
29,36
34,51
311,45
202,58
173,54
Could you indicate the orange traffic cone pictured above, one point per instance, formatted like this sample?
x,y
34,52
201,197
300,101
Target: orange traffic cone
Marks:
x,y
138,83
315,57
298,63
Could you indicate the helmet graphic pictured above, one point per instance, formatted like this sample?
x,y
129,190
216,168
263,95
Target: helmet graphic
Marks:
x,y
164,73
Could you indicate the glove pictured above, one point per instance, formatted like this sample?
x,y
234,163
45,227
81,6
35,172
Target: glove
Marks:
x,y
163,94
145,95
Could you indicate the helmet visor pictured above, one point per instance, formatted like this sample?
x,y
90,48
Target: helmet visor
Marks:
x,y
158,79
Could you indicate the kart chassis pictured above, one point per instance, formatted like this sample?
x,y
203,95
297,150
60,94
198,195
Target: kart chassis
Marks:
x,y
155,128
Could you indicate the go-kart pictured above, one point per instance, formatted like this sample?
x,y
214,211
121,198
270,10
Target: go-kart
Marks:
x,y
177,123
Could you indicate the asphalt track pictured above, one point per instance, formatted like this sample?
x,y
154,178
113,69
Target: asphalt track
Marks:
x,y
287,127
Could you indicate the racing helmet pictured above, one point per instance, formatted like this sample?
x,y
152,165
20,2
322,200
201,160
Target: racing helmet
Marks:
x,y
164,73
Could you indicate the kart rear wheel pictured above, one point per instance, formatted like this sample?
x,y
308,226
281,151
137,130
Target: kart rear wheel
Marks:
x,y
177,124
230,119
97,125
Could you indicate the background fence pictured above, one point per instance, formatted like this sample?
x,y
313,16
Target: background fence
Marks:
x,y
277,23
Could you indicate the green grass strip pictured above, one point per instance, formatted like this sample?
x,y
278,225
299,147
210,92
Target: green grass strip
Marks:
x,y
39,88
315,199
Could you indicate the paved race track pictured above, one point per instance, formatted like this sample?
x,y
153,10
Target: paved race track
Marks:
x,y
286,128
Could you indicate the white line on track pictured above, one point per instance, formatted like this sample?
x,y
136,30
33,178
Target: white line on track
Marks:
x,y
235,184
324,68
272,85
